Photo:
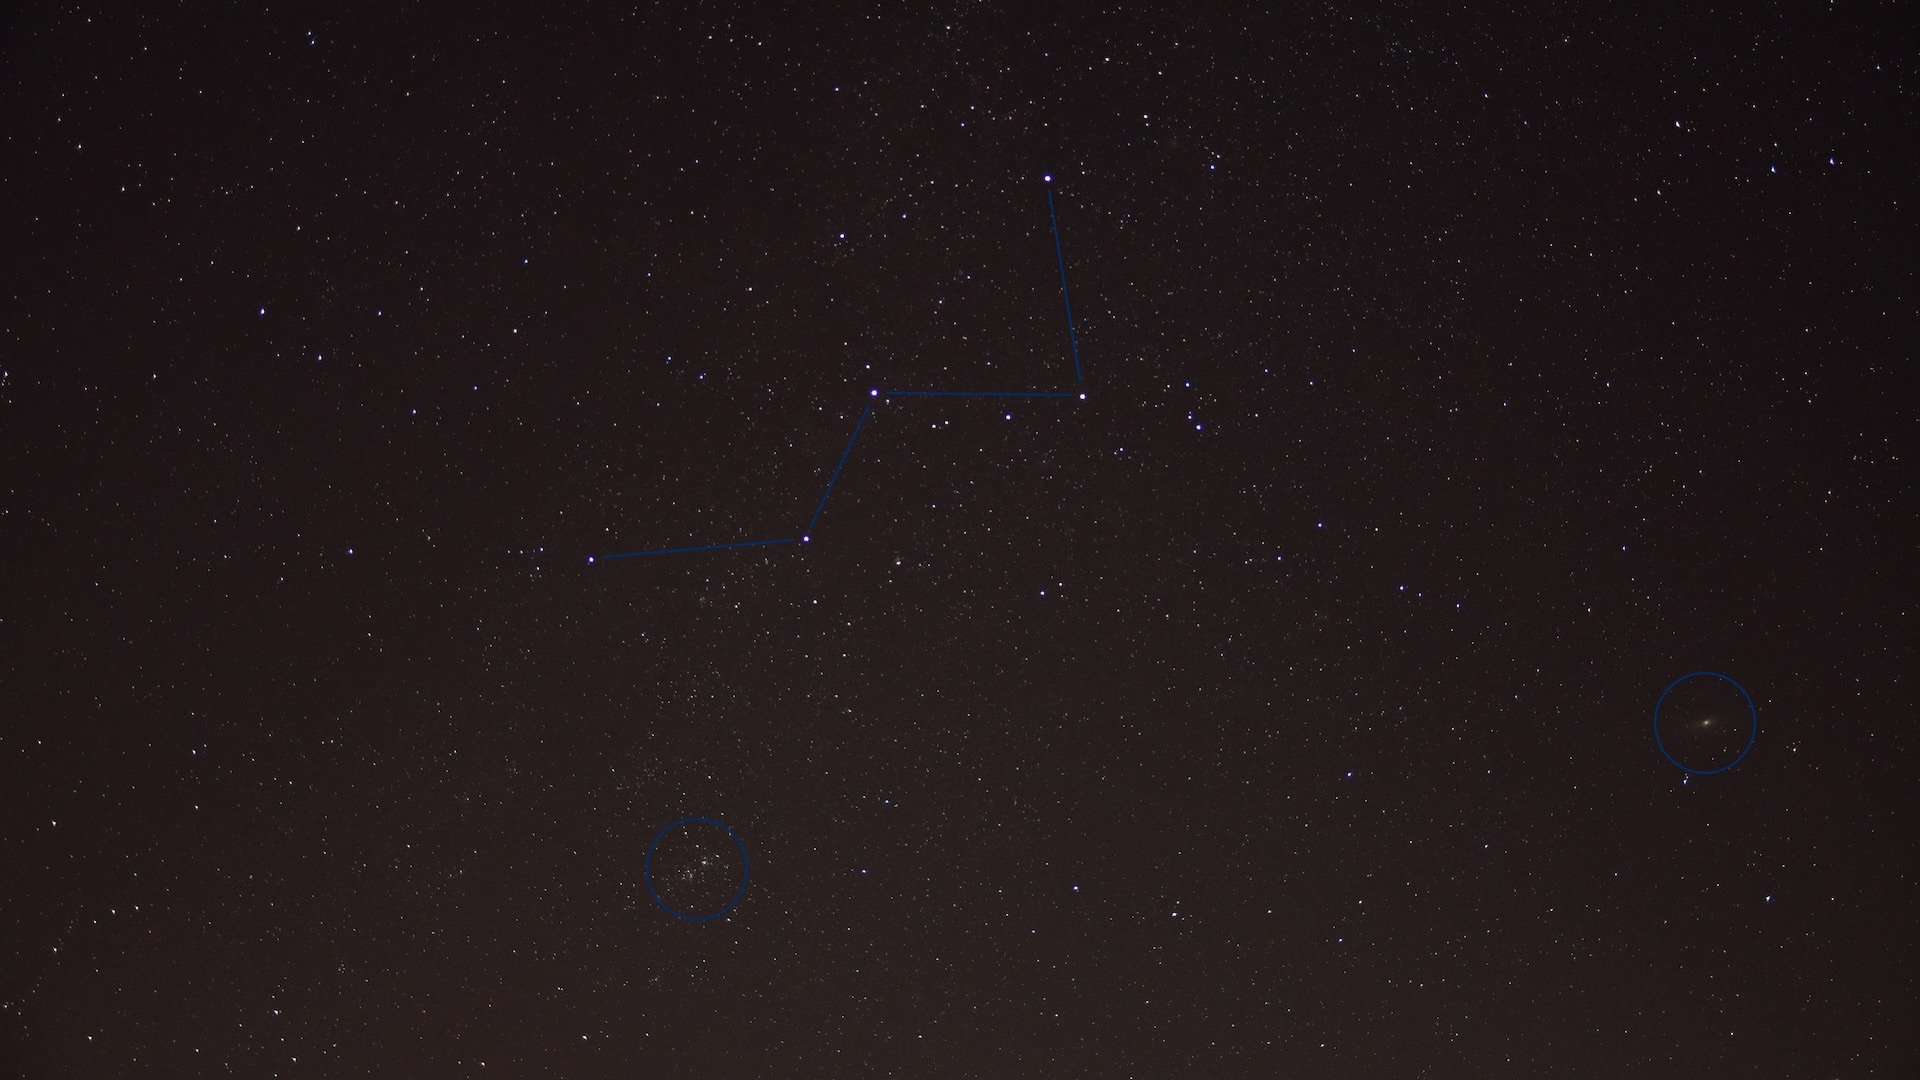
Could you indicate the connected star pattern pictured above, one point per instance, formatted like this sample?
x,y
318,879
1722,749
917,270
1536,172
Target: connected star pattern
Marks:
x,y
1304,693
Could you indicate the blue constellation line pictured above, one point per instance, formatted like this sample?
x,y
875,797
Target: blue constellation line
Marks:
x,y
1073,339
978,393
844,454
806,536
702,547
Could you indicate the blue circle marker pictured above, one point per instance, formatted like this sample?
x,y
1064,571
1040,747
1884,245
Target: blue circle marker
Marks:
x,y
647,869
1753,723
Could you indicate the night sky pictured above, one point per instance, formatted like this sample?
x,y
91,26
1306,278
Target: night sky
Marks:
x,y
1454,386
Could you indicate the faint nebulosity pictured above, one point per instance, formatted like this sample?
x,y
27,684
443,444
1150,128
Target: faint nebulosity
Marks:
x,y
1705,723
1454,382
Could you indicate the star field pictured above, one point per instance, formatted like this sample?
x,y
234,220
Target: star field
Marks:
x,y
1454,383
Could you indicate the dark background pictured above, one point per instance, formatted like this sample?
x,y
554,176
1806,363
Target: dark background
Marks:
x,y
1456,382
